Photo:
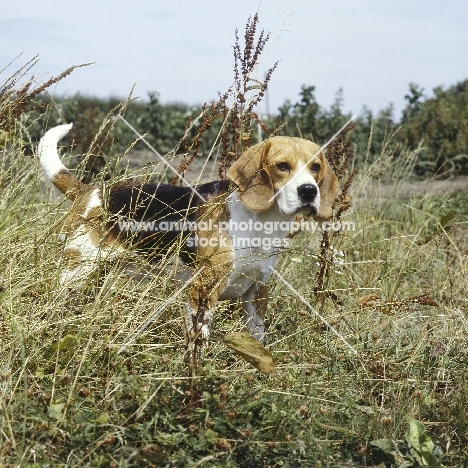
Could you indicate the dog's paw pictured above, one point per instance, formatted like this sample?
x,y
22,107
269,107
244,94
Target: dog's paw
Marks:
x,y
205,332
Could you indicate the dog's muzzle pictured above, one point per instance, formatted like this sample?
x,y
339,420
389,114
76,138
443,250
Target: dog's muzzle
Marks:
x,y
307,194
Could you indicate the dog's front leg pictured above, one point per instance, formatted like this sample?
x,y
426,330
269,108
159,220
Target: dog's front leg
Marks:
x,y
254,304
215,256
203,296
199,314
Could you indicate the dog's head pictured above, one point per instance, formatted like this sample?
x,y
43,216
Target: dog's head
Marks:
x,y
291,172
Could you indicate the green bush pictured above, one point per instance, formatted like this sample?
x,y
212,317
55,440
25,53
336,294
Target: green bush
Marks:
x,y
441,123
437,125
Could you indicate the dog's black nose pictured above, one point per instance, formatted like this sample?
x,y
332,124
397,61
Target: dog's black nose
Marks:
x,y
307,192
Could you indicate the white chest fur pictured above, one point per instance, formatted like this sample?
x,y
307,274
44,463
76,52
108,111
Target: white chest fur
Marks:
x,y
257,237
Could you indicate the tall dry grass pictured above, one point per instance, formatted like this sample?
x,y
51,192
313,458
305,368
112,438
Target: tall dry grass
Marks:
x,y
73,392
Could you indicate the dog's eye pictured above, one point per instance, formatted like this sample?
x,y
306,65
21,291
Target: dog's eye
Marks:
x,y
283,167
315,167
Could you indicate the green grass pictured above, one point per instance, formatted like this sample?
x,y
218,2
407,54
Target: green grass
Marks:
x,y
69,398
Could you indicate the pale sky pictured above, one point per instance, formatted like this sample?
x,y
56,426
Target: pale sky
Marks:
x,y
183,48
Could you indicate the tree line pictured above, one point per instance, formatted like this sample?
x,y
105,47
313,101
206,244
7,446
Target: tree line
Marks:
x,y
436,124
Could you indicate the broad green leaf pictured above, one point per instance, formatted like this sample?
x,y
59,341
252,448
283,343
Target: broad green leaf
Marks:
x,y
420,443
55,411
68,342
102,418
251,350
211,436
387,447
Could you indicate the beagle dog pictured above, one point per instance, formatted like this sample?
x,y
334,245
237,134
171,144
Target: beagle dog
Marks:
x,y
232,254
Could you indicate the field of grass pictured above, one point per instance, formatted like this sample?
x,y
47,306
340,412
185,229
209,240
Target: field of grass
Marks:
x,y
73,393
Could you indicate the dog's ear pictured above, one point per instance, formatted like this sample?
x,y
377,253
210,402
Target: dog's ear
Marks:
x,y
328,186
254,184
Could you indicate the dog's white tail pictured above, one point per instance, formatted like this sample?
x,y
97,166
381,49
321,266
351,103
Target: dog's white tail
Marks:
x,y
53,167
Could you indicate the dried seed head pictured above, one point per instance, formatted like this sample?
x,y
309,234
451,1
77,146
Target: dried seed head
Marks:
x,y
232,414
165,399
223,444
245,434
223,392
363,449
108,440
149,450
193,429
324,410
43,426
84,392
65,380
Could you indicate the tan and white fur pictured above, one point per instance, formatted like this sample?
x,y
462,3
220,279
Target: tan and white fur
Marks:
x,y
271,182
